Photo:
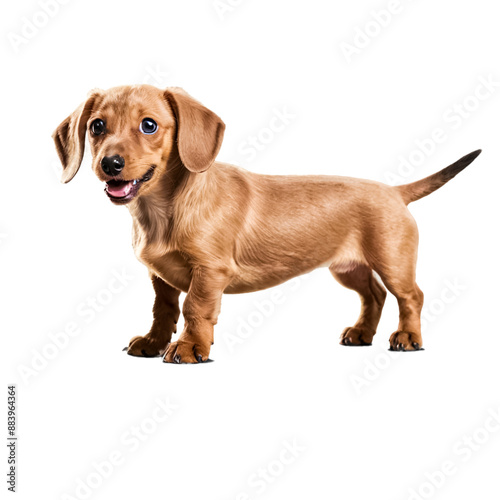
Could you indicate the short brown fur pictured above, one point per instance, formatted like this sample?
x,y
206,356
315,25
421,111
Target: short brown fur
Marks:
x,y
208,228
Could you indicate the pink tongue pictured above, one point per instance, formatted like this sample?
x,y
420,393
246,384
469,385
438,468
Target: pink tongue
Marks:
x,y
120,190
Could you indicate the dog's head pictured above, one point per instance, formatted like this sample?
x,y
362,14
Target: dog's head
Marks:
x,y
133,131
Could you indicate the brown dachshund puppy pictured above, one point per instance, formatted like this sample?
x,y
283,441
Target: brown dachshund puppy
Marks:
x,y
208,228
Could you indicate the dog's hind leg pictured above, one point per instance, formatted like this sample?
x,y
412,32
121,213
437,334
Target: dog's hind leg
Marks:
x,y
165,315
395,262
400,281
372,294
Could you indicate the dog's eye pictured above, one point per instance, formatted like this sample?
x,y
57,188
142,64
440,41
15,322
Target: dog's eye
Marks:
x,y
97,127
148,126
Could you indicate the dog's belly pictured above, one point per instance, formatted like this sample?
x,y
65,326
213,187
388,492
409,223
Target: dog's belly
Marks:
x,y
263,269
255,278
282,258
177,273
253,281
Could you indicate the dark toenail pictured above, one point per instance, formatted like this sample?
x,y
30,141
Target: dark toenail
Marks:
x,y
125,348
416,346
200,359
177,359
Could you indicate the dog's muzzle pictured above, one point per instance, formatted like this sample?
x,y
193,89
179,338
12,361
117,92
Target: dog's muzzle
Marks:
x,y
122,191
112,165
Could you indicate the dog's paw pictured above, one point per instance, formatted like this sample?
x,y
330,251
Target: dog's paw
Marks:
x,y
405,341
146,347
186,352
356,336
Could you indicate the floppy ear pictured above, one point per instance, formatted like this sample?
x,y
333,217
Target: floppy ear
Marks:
x,y
69,138
199,130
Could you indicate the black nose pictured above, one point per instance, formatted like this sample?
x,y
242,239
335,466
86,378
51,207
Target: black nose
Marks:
x,y
112,165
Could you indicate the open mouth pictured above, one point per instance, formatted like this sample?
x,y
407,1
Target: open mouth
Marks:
x,y
121,191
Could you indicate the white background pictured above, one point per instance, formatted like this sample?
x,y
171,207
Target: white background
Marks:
x,y
367,425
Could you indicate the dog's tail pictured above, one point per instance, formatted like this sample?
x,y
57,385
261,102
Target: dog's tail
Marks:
x,y
419,189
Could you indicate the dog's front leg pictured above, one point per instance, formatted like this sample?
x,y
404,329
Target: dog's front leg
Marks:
x,y
165,315
200,310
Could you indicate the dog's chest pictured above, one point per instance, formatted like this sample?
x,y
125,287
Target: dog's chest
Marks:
x,y
168,264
